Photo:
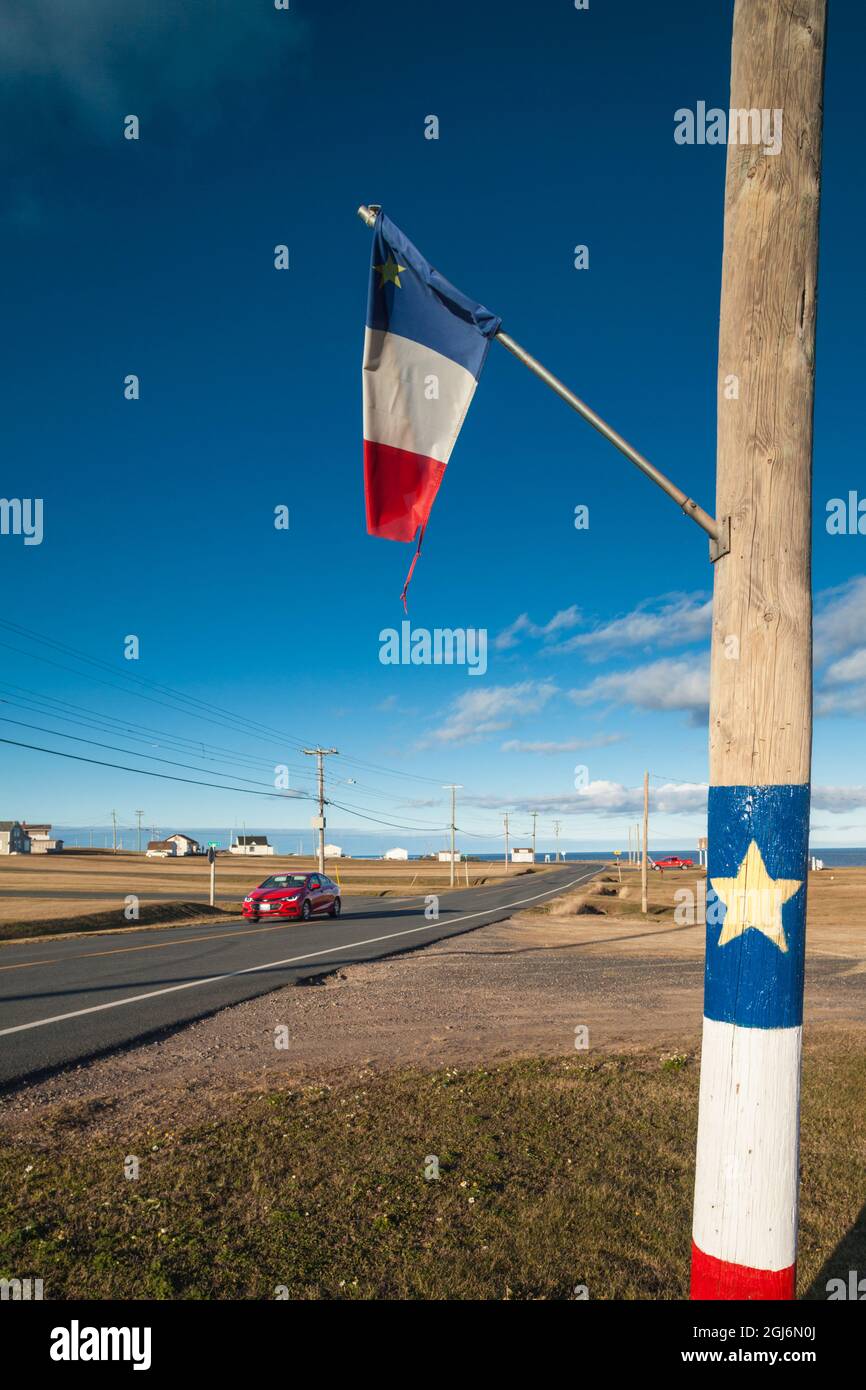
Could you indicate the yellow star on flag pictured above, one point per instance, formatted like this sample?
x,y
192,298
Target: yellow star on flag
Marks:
x,y
390,273
754,899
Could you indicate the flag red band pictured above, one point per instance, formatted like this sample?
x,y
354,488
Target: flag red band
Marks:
x,y
719,1279
400,488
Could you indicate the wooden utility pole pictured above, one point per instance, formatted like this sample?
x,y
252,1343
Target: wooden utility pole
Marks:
x,y
643,865
114,824
454,788
746,1187
506,842
319,754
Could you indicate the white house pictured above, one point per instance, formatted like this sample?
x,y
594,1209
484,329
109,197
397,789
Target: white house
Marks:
x,y
522,856
185,844
13,838
160,849
445,856
333,852
251,844
41,839
396,853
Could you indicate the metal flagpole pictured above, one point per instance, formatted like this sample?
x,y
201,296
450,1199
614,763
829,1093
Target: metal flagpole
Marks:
x,y
718,531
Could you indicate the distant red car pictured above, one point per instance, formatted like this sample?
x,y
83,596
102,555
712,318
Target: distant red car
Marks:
x,y
674,862
293,895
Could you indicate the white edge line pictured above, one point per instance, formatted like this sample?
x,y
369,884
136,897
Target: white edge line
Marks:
x,y
274,964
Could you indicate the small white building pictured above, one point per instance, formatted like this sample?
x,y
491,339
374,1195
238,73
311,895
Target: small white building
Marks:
x,y
396,853
13,838
445,856
41,839
251,844
184,844
160,849
522,856
333,852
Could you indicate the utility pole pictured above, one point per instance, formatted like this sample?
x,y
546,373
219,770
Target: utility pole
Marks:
x,y
556,833
453,787
746,1182
506,842
139,814
114,823
534,819
320,754
643,867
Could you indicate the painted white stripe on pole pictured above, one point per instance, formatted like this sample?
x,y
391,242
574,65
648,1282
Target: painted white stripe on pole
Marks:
x,y
746,1178
291,960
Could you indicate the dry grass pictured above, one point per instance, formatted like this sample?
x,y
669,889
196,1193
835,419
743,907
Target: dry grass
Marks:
x,y
54,889
552,1174
836,903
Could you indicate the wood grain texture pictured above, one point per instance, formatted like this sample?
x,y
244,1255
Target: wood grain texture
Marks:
x,y
761,669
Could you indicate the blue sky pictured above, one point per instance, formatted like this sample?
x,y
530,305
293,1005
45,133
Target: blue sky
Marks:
x,y
156,257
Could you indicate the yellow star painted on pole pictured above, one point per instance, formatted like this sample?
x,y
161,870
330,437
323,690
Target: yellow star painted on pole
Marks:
x,y
390,273
754,899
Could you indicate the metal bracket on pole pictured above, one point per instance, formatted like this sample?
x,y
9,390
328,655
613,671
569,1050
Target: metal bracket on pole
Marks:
x,y
720,544
719,532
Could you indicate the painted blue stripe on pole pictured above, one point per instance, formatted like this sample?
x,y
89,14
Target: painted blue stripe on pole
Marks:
x,y
757,860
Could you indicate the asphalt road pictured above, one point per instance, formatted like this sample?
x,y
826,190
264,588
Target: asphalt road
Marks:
x,y
64,1001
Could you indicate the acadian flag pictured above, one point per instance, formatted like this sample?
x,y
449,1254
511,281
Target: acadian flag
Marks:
x,y
424,348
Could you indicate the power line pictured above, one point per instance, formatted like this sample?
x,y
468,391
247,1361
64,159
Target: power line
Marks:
x,y
113,748
146,772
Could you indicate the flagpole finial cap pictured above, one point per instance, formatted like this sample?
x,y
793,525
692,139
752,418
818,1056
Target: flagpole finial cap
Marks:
x,y
369,214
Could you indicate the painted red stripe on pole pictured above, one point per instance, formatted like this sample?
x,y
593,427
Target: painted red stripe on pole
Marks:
x,y
719,1279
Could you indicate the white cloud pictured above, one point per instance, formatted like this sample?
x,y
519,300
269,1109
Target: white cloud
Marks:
x,y
847,669
510,636
840,619
479,712
519,745
677,622
603,798
660,685
606,799
838,798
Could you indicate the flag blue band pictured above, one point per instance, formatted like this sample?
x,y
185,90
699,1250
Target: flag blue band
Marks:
x,y
424,306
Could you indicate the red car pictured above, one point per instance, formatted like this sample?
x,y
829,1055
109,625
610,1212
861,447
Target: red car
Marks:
x,y
674,862
293,895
